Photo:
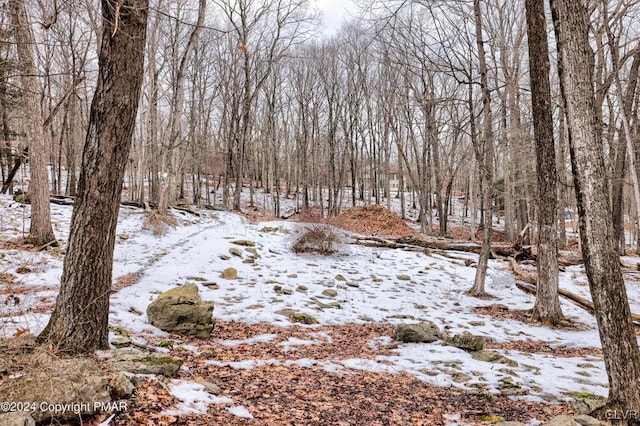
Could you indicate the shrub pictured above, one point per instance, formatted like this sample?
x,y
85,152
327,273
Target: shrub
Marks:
x,y
316,239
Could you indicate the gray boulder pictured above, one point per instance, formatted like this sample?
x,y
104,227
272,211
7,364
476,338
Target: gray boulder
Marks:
x,y
180,310
467,341
422,332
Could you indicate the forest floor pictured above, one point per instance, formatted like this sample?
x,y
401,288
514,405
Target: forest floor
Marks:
x,y
268,369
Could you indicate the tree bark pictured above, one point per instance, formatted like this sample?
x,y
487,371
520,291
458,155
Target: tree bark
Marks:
x,y
547,307
484,153
599,248
79,323
40,230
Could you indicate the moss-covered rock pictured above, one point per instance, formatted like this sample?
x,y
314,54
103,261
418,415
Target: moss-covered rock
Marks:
x,y
304,318
422,332
180,310
467,341
143,362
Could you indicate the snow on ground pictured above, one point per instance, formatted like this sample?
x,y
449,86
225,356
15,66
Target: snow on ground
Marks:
x,y
372,285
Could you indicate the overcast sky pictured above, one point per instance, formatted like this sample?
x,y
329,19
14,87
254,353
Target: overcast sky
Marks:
x,y
334,13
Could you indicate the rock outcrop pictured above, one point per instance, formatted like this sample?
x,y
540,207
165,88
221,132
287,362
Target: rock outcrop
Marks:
x,y
180,310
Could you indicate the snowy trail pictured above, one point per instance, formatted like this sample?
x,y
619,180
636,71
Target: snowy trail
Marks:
x,y
355,285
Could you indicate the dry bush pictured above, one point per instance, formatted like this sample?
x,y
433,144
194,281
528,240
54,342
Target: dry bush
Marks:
x,y
157,222
316,239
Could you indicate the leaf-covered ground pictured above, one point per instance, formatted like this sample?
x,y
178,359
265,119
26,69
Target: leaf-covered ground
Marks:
x,y
261,367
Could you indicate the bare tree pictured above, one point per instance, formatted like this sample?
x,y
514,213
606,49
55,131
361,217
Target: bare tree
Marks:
x,y
547,307
40,231
484,156
599,248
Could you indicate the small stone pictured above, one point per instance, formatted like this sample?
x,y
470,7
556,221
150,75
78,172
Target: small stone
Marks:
x,y
494,357
229,274
235,252
209,387
586,420
563,420
292,276
244,243
460,377
302,288
121,386
566,323
120,341
211,285
586,365
286,312
339,277
329,292
281,290
123,236
403,277
249,261
224,257
476,323
352,284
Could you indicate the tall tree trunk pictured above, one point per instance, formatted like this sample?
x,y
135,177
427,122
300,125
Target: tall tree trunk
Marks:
x,y
40,231
547,307
79,323
484,154
599,248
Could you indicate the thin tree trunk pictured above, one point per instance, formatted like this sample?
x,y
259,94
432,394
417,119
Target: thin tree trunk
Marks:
x,y
485,161
40,231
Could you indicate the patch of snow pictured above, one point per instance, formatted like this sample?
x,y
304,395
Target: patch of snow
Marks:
x,y
240,411
261,338
193,398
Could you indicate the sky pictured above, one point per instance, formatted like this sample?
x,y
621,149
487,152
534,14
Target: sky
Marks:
x,y
334,13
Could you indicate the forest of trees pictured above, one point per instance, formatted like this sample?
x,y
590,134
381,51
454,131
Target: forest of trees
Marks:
x,y
257,95
525,111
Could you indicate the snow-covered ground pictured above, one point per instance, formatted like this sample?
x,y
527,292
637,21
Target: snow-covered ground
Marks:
x,y
372,285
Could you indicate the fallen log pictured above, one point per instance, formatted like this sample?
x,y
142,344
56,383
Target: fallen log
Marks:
x,y
529,286
386,243
497,250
